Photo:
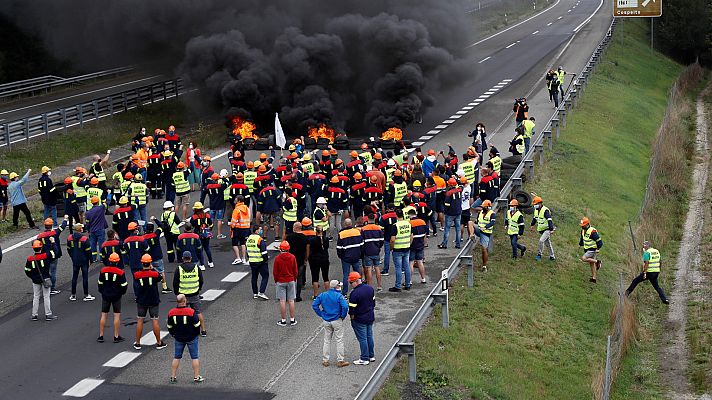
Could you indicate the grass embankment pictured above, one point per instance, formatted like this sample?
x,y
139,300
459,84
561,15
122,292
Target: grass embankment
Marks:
x,y
538,330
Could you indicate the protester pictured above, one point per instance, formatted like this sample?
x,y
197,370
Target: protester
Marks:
x,y
188,280
79,251
332,308
362,303
112,286
285,274
96,226
37,269
298,246
147,301
258,258
18,199
183,324
50,243
349,247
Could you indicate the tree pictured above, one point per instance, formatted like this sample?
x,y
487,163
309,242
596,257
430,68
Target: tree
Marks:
x,y
685,29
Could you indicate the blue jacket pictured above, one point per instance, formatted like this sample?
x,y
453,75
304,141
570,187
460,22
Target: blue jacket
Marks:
x,y
362,301
14,190
330,305
96,221
79,249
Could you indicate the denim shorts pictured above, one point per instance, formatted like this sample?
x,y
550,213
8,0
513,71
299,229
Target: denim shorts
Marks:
x,y
417,255
371,261
158,266
192,349
217,215
484,240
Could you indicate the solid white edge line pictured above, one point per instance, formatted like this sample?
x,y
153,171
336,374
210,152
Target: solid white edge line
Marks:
x,y
83,387
122,359
514,26
589,17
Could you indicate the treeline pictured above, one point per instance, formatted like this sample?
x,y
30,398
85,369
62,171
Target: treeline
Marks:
x,y
23,56
685,30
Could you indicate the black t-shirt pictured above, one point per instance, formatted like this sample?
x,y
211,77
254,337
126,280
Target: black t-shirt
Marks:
x,y
297,246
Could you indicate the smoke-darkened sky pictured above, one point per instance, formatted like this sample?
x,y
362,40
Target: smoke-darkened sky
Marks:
x,y
362,66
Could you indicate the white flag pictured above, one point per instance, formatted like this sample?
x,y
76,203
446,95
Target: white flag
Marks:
x,y
279,132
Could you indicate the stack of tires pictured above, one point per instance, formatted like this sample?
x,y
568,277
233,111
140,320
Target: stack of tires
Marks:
x,y
509,164
525,201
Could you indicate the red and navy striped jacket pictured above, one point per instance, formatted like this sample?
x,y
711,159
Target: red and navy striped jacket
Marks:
x,y
372,239
349,246
112,283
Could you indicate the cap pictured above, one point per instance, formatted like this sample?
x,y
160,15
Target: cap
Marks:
x,y
353,154
78,227
250,165
333,152
334,179
514,203
325,153
223,173
306,221
36,244
378,156
463,180
354,276
321,200
128,175
94,181
417,183
4,172
13,175
138,177
197,205
338,161
584,221
146,258
431,152
237,154
284,246
358,176
181,165
364,146
207,158
124,200
292,147
49,222
262,168
132,226
486,203
167,204
187,254
215,176
333,284
67,181
391,163
537,200
239,176
114,257
94,199
45,169
263,156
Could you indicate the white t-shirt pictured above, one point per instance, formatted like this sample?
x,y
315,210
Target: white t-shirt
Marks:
x,y
466,192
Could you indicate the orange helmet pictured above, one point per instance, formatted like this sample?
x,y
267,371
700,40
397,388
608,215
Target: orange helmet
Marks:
x,y
263,156
207,158
114,258
514,203
294,155
338,161
431,152
146,258
94,181
353,275
171,128
354,154
133,226
128,175
250,165
36,244
215,176
284,246
452,182
378,156
181,165
306,221
333,152
584,221
67,181
49,222
94,200
486,203
358,176
262,168
463,180
325,153
239,176
397,173
537,200
364,146
373,179
237,154
334,179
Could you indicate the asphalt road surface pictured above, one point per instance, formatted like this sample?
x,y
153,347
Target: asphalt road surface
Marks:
x,y
245,354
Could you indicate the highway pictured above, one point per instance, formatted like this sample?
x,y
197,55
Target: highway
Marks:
x,y
245,354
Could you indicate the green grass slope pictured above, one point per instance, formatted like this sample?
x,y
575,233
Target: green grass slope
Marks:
x,y
531,330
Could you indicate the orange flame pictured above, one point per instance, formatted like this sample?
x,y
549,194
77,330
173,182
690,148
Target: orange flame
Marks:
x,y
322,132
392,134
243,128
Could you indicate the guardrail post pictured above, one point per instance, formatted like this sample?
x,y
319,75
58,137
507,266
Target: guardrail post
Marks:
x,y
95,103
6,127
409,349
45,124
165,93
152,99
470,270
441,298
80,111
111,105
529,165
138,98
555,124
175,86
64,119
540,153
567,105
549,140
562,117
123,99
516,184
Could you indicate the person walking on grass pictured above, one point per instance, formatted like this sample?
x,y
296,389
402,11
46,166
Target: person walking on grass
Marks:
x,y
362,302
332,308
147,300
591,242
37,269
651,270
112,286
184,325
545,227
514,222
285,274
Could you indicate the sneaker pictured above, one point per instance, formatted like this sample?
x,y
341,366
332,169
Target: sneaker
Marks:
x,y
592,280
236,261
72,298
204,333
211,265
538,257
198,379
165,290
254,296
379,289
137,346
50,317
522,251
394,289
423,281
89,298
245,262
552,258
442,229
282,323
385,273
118,339
173,379
372,359
100,339
161,345
325,363
442,246
599,264
202,267
292,322
342,364
34,318
221,236
361,362
406,287
54,291
262,296
666,301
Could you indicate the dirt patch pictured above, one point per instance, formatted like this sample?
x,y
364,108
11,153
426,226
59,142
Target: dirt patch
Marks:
x,y
675,354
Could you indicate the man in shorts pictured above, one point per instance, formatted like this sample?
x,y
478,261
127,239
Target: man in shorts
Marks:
x,y
372,244
485,223
112,286
591,242
183,325
418,228
188,281
285,274
147,300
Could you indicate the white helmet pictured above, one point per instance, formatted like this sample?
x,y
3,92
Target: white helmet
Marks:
x,y
391,163
321,200
168,204
223,173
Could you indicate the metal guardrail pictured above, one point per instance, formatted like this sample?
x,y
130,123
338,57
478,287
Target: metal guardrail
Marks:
x,y
404,344
46,123
45,84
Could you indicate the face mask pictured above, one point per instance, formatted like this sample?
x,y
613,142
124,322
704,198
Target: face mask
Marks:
x,y
49,173
190,147
143,131
431,158
538,206
512,209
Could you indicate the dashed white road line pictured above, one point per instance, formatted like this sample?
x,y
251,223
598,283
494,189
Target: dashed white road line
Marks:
x,y
567,12
549,24
490,93
535,32
455,116
448,121
516,25
511,45
122,359
468,108
83,387
433,132
418,143
425,137
461,113
212,294
236,276
484,59
484,96
560,16
506,80
150,340
474,104
441,127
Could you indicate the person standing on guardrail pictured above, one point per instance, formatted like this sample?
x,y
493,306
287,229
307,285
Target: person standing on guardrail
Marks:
x,y
529,131
47,194
18,199
362,303
453,213
514,222
650,272
332,308
591,242
545,227
4,201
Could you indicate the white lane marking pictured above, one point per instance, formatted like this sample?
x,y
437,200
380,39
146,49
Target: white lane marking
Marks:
x,y
549,24
514,26
441,127
411,150
425,137
476,103
489,93
461,113
212,294
535,32
559,17
234,277
484,59
589,17
467,108
433,132
448,121
567,12
484,96
122,359
506,80
418,143
500,86
297,353
511,45
77,95
150,340
83,387
455,116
